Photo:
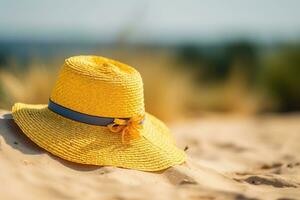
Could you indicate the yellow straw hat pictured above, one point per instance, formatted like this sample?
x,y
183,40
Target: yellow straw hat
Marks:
x,y
96,116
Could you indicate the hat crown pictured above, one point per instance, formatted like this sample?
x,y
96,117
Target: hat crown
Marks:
x,y
99,86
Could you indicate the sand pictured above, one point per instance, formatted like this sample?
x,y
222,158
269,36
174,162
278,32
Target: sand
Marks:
x,y
228,158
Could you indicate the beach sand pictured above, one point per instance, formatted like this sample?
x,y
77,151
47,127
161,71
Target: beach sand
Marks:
x,y
228,158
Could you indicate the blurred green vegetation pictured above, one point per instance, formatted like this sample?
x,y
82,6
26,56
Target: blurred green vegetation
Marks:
x,y
233,77
273,71
214,63
281,77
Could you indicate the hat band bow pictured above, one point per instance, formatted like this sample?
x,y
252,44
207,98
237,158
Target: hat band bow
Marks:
x,y
126,126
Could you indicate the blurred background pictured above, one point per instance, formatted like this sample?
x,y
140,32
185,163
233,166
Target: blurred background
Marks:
x,y
197,57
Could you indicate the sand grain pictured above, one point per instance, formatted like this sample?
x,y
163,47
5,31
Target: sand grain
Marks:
x,y
228,158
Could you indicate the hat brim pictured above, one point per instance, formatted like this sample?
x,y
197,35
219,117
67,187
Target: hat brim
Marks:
x,y
95,145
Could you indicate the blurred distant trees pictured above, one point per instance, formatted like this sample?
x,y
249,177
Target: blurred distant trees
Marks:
x,y
215,62
281,77
236,75
274,71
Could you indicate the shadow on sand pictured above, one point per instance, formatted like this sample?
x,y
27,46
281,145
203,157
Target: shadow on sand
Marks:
x,y
14,137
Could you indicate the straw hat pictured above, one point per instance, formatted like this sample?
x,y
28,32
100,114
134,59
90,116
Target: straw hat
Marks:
x,y
96,116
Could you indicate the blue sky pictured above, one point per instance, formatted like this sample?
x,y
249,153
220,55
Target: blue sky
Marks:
x,y
144,20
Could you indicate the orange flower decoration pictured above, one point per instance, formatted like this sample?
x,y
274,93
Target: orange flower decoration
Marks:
x,y
131,126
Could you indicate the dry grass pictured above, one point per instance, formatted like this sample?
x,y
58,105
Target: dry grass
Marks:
x,y
169,94
232,96
32,86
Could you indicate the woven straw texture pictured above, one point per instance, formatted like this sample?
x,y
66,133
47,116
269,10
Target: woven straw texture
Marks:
x,y
101,87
